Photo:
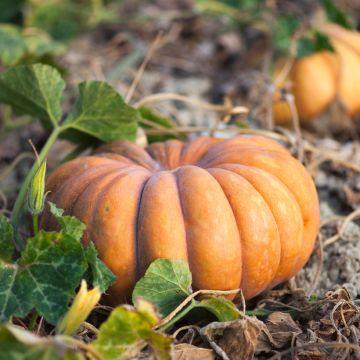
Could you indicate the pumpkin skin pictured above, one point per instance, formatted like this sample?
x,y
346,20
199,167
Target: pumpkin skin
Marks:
x,y
242,212
319,78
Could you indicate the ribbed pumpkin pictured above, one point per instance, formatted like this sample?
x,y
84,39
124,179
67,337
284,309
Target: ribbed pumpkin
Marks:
x,y
319,78
242,212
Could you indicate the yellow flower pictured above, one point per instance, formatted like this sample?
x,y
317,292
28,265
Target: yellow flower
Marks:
x,y
80,309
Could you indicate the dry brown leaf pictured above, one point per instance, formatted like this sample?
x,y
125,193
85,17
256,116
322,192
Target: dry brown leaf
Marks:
x,y
233,340
191,352
280,329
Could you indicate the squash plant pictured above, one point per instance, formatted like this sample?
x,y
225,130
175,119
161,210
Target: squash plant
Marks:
x,y
39,275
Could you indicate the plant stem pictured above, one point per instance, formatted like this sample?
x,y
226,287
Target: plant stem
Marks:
x,y
33,320
179,316
36,224
18,207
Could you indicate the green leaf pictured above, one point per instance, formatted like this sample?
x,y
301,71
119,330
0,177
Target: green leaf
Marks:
x,y
7,246
223,309
322,42
334,14
101,113
58,18
9,9
156,119
34,90
284,29
128,330
12,45
166,284
17,343
49,270
39,43
70,225
100,273
307,46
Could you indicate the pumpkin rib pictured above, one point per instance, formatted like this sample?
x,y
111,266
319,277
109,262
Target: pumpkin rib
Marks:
x,y
246,141
196,149
282,204
84,203
208,221
137,248
161,228
116,238
66,194
257,230
283,167
131,151
158,154
173,150
71,168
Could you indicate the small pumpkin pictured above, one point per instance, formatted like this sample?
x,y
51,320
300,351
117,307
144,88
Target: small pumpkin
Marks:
x,y
242,212
319,78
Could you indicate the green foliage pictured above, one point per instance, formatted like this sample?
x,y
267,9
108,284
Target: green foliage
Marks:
x,y
18,46
12,45
319,42
58,18
47,273
128,330
35,90
100,275
7,245
221,308
10,9
166,284
156,120
334,14
101,113
17,343
285,27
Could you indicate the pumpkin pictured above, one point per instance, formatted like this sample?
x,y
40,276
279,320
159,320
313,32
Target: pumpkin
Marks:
x,y
242,212
319,78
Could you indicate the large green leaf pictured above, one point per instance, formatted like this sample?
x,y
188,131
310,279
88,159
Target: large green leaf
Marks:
x,y
128,330
101,112
35,90
48,272
166,284
7,246
12,45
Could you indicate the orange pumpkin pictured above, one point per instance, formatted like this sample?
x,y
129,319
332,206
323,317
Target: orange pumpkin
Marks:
x,y
242,212
319,78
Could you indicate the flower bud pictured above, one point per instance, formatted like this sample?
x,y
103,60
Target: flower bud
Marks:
x,y
80,309
36,195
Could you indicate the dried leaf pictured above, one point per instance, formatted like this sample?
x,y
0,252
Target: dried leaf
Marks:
x,y
234,340
280,329
191,352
